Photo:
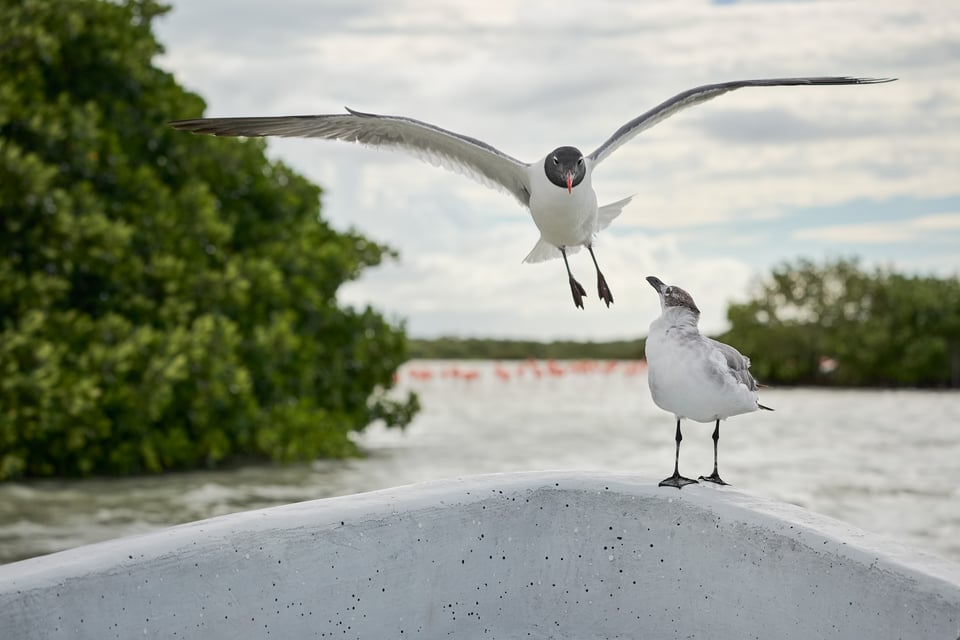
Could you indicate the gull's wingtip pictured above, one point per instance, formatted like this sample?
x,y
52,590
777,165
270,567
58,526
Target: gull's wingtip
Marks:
x,y
843,80
361,114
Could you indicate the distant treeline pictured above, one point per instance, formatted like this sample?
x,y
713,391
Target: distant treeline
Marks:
x,y
490,349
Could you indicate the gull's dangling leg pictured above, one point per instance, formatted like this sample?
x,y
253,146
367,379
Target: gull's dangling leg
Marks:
x,y
602,289
715,477
575,287
677,480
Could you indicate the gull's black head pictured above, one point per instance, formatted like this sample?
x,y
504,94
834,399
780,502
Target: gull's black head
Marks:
x,y
671,296
565,167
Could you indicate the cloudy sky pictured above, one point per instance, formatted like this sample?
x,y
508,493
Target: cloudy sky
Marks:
x,y
723,191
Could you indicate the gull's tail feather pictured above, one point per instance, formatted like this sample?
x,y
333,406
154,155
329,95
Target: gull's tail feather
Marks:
x,y
608,212
543,251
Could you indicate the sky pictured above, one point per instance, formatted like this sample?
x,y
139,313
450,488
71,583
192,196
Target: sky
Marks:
x,y
723,192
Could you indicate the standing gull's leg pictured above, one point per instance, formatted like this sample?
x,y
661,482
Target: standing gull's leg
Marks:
x,y
602,289
677,480
575,287
715,477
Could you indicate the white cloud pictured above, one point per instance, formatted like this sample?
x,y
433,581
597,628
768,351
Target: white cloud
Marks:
x,y
528,76
897,232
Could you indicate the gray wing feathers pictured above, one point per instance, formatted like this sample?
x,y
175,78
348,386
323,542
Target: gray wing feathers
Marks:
x,y
439,147
703,93
737,364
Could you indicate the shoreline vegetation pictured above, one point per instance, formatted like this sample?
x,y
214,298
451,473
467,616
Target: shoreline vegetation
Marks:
x,y
456,348
167,301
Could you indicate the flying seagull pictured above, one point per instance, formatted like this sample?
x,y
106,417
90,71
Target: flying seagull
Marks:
x,y
557,189
693,376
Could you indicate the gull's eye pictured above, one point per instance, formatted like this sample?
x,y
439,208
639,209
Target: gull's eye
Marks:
x,y
580,162
555,160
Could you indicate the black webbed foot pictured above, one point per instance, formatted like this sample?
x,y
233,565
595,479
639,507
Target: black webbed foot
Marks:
x,y
715,479
603,290
578,292
677,480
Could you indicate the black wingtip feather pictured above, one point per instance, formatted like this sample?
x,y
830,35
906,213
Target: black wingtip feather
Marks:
x,y
874,80
360,114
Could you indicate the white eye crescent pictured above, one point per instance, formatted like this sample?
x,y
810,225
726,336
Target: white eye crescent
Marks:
x,y
555,161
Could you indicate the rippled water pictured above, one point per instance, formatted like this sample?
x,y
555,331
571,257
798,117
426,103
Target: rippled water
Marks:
x,y
885,461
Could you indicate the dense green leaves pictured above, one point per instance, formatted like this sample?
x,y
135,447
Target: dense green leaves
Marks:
x,y
167,300
838,324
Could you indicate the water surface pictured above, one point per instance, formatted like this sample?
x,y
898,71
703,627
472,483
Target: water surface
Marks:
x,y
885,461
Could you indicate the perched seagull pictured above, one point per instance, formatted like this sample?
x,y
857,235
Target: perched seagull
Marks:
x,y
557,189
693,376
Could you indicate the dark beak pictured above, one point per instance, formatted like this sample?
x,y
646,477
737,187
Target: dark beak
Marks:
x,y
656,283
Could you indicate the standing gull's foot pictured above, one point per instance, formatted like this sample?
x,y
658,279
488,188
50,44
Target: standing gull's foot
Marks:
x,y
715,476
676,480
715,479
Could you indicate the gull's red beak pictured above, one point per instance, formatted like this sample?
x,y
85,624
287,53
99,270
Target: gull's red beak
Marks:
x,y
569,183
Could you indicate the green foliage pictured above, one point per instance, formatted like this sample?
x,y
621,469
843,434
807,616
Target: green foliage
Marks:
x,y
490,349
880,328
166,300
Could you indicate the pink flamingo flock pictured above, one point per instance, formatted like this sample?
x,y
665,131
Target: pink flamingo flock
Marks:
x,y
517,370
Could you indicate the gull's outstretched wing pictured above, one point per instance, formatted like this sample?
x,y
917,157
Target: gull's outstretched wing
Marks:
x,y
471,157
697,95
